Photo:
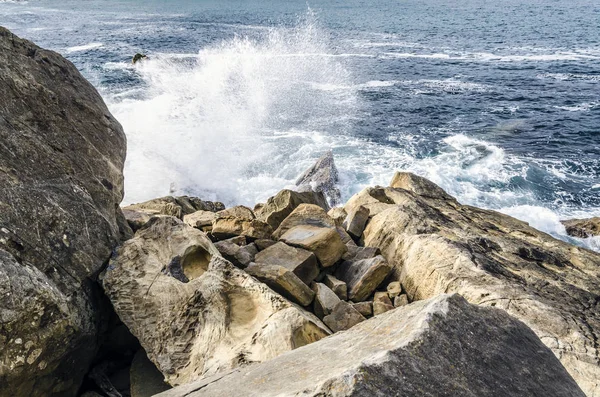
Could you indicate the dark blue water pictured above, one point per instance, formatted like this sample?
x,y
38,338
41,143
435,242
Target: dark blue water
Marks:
x,y
498,102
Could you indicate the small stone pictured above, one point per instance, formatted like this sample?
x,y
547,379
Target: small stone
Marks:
x,y
263,243
283,281
381,303
325,300
343,317
337,286
394,289
324,242
301,262
364,308
356,221
363,276
136,219
401,300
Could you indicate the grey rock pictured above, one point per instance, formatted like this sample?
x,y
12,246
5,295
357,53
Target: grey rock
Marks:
x,y
240,256
322,177
324,242
381,303
365,308
325,300
401,300
301,262
363,276
278,207
136,219
337,286
146,379
582,228
343,316
356,221
264,243
356,253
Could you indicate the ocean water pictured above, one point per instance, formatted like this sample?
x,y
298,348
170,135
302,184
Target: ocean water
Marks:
x,y
497,102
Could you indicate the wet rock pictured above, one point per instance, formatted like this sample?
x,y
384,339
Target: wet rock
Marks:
x,y
343,316
175,206
364,308
193,312
322,177
304,214
442,346
394,289
278,207
401,300
338,214
61,163
301,262
337,286
381,303
146,379
356,221
283,281
325,300
325,243
363,276
202,220
583,228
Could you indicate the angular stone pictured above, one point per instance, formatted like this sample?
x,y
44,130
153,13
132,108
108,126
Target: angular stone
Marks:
x,y
364,308
146,379
344,316
338,214
337,286
322,177
304,214
439,347
136,219
200,219
381,303
240,256
278,207
175,206
582,228
283,281
356,253
264,243
238,211
401,300
372,198
394,289
254,229
324,242
356,221
363,276
419,185
325,300
301,262
194,313
346,239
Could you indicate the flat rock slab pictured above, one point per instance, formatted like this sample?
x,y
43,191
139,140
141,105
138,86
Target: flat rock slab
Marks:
x,y
326,243
301,262
438,347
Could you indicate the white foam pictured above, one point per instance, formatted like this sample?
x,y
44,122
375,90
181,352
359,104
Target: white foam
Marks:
x,y
538,217
85,47
582,107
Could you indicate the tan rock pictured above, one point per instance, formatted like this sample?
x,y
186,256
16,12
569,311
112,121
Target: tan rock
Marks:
x,y
363,276
175,206
238,211
419,185
200,219
253,229
194,313
583,228
338,214
136,219
301,262
344,316
381,303
401,300
394,289
278,207
337,286
264,243
325,243
304,214
356,221
283,281
365,308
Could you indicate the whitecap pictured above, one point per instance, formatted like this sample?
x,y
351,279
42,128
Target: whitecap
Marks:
x,y
85,47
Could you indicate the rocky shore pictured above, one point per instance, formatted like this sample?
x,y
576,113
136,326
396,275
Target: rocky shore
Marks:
x,y
401,290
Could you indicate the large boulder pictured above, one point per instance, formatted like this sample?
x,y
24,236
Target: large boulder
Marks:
x,y
439,347
194,313
583,228
278,207
437,245
61,162
323,177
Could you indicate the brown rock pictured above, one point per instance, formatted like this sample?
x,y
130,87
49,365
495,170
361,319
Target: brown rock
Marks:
x,y
175,206
238,211
283,281
344,316
363,276
394,289
381,303
364,308
200,219
338,214
325,300
304,214
264,243
325,243
583,228
301,262
278,207
356,221
337,286
254,229
401,300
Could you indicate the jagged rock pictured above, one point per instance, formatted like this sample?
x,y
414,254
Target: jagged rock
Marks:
x,y
283,281
263,243
136,219
356,221
363,276
304,214
356,253
61,163
200,219
346,239
278,207
394,289
381,303
228,227
240,255
337,286
324,242
419,185
325,300
438,245
372,198
442,346
582,228
238,211
322,177
146,379
338,214
175,206
364,308
401,300
193,312
343,316
301,262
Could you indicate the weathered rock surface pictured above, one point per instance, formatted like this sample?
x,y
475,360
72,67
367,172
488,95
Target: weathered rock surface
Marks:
x,y
363,276
175,206
442,346
356,221
337,286
146,379
240,255
301,262
325,300
364,308
200,219
582,228
304,214
193,312
322,177
283,281
343,316
324,242
61,162
338,214
438,245
278,207
227,227
381,303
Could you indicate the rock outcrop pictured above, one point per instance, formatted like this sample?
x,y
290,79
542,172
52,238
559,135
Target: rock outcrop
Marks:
x,y
582,228
322,177
437,245
441,346
61,162
194,313
278,207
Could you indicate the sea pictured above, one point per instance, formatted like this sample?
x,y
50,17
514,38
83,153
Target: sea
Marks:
x,y
498,102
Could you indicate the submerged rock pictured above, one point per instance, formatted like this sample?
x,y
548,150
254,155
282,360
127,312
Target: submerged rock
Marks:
x,y
582,228
442,346
322,177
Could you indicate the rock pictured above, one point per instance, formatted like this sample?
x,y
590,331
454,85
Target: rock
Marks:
x,y
200,219
337,286
61,163
363,276
338,214
356,221
394,289
325,243
442,346
193,312
364,308
175,206
438,245
401,300
325,300
322,177
356,253
344,316
372,198
252,229
304,214
346,239
146,379
136,219
381,303
278,207
283,281
240,255
419,185
301,262
239,211
264,243
583,228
